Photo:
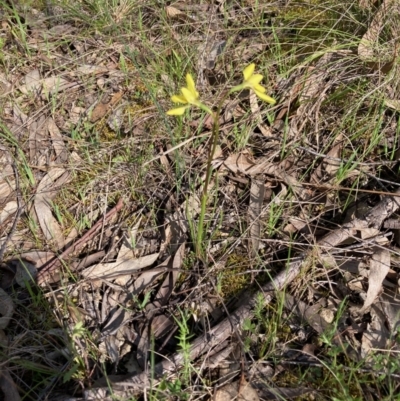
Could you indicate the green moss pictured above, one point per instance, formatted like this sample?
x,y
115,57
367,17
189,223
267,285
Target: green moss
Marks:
x,y
232,279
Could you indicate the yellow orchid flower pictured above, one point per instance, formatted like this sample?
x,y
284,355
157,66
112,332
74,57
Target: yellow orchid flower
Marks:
x,y
188,96
252,81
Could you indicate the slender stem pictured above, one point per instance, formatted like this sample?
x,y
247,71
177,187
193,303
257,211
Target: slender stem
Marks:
x,y
204,196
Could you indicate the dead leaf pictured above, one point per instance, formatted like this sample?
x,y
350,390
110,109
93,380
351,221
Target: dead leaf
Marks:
x,y
238,163
5,86
176,14
379,267
46,190
9,209
173,12
115,320
168,285
58,142
6,160
115,269
239,390
32,82
308,313
88,69
376,336
127,252
38,258
147,277
176,227
101,109
39,143
390,305
328,167
369,44
161,325
52,85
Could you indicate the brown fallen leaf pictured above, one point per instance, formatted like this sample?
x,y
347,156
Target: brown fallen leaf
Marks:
x,y
47,189
329,166
310,314
379,267
58,142
239,390
116,269
168,285
173,12
376,336
238,163
32,82
38,258
52,85
101,109
88,69
368,45
38,142
5,86
9,209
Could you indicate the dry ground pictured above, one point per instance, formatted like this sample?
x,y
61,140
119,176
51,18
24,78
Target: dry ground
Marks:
x,y
110,288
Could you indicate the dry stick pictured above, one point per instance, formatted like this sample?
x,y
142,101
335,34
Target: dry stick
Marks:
x,y
130,385
55,262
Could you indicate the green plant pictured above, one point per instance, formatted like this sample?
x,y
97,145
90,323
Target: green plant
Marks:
x,y
189,96
184,345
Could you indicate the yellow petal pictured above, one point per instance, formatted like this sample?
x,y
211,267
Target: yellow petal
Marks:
x,y
265,97
178,99
191,85
248,71
189,96
255,79
259,88
177,112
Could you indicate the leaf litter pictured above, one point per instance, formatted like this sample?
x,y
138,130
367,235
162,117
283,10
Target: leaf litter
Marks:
x,y
73,115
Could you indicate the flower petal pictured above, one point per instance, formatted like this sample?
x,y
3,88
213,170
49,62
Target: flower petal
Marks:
x,y
178,99
189,96
259,88
248,71
191,85
265,97
178,111
255,79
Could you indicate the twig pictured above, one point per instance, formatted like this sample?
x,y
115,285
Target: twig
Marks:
x,y
55,262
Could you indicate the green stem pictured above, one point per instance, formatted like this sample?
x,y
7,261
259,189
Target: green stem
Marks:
x,y
204,196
